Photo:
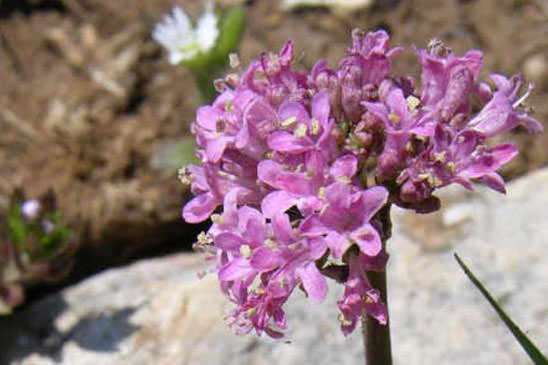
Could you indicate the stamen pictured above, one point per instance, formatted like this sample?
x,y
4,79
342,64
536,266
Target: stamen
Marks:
x,y
288,122
394,118
300,131
245,251
185,176
217,219
314,127
234,60
412,102
530,88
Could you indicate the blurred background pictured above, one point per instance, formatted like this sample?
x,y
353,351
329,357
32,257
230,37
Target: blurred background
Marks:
x,y
90,107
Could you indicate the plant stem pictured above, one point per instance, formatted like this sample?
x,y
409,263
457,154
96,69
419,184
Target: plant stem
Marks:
x,y
376,336
204,79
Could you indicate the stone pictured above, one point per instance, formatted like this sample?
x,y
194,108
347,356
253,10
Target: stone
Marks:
x,y
230,3
535,69
158,311
337,6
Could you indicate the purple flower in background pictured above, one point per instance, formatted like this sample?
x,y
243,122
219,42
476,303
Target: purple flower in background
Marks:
x,y
30,209
306,165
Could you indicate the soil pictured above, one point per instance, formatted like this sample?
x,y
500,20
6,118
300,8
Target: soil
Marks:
x,y
86,97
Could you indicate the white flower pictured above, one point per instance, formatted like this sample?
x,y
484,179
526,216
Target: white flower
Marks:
x,y
183,41
30,209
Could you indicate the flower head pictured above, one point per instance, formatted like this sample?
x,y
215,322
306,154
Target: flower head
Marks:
x,y
306,165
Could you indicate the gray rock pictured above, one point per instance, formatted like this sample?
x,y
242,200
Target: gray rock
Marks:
x,y
159,312
337,6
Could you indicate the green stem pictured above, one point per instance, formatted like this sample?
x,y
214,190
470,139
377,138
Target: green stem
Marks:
x,y
204,78
204,83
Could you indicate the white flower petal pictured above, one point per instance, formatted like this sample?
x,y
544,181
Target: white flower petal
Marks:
x,y
207,31
181,19
176,57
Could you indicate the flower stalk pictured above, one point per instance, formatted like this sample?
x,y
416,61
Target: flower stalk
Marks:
x,y
376,336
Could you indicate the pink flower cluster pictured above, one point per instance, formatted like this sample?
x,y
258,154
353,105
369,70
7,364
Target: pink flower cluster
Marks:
x,y
302,164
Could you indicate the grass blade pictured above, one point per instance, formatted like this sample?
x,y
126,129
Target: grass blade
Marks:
x,y
533,352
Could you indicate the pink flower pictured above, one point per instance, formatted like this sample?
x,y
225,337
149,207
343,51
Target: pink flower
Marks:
x,y
345,219
306,165
401,121
360,298
503,112
248,248
448,80
367,64
300,131
273,77
220,125
454,158
303,186
211,182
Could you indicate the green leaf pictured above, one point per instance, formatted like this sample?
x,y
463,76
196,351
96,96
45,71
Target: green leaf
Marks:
x,y
5,309
199,62
15,224
533,352
173,155
53,240
231,27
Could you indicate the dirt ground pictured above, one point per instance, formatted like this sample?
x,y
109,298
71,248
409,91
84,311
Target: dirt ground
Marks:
x,y
86,97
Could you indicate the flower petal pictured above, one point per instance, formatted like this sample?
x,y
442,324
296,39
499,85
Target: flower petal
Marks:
x,y
264,259
216,147
261,117
229,242
282,229
207,31
292,109
313,226
494,181
321,107
374,199
345,166
337,243
277,202
314,282
200,208
283,141
207,116
235,269
368,240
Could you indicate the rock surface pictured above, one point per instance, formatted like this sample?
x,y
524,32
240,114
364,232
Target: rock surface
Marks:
x,y
334,5
159,312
